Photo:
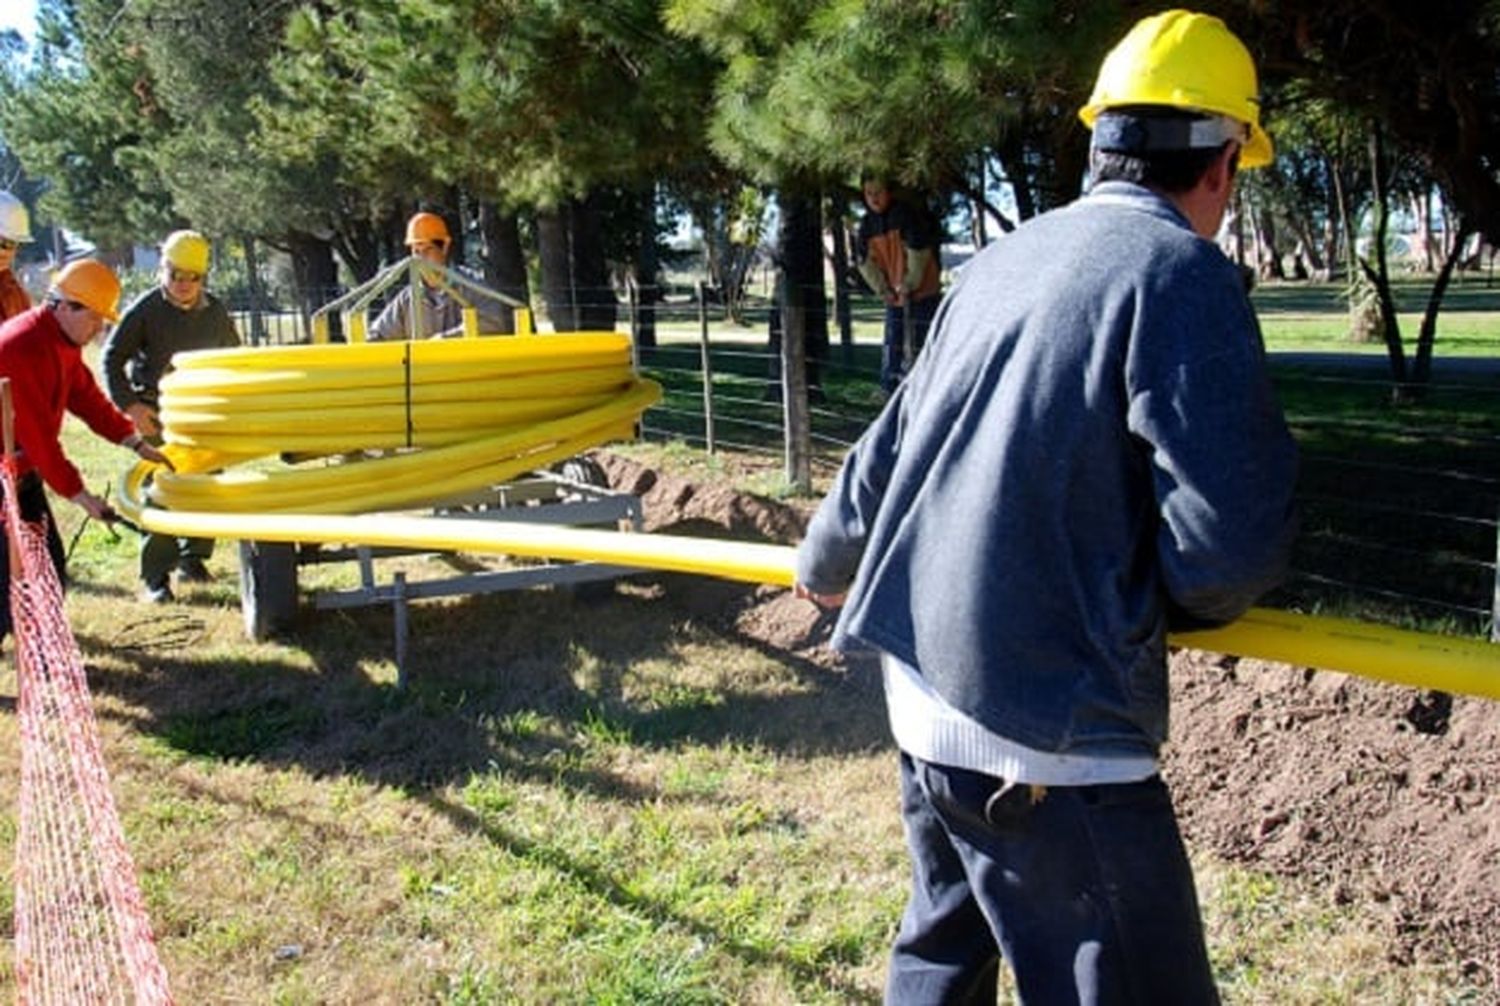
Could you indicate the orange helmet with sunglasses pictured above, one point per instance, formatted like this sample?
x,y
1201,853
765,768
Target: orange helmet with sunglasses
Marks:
x,y
91,283
427,227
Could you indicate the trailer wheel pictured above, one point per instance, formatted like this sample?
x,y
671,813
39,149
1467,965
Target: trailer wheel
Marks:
x,y
585,471
268,587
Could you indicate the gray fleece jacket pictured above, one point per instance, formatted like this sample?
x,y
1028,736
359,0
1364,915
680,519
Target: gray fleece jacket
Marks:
x,y
1088,448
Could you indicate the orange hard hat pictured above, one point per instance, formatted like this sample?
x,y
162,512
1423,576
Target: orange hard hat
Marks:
x,y
427,227
91,283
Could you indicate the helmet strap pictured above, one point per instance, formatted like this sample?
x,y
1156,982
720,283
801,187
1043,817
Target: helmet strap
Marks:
x,y
1124,133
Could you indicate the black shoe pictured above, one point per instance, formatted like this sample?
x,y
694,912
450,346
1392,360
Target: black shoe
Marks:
x,y
193,571
159,592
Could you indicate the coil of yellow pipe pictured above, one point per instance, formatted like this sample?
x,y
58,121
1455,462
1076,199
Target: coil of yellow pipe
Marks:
x,y
455,415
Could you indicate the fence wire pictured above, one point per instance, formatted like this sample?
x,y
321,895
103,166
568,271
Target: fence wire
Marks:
x,y
1399,499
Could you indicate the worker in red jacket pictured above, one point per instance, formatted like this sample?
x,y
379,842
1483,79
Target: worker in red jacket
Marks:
x,y
41,351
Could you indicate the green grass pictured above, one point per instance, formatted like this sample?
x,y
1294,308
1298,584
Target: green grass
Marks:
x,y
626,802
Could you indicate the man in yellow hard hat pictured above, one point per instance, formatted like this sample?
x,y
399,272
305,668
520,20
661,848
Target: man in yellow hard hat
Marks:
x,y
41,351
177,315
439,314
1090,455
15,230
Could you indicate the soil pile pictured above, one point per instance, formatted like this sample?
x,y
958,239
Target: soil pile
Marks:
x,y
1383,795
1387,796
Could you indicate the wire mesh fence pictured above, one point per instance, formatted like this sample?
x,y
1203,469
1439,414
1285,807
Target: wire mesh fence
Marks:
x,y
1399,494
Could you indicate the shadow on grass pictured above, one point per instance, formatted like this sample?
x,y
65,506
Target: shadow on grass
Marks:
x,y
480,669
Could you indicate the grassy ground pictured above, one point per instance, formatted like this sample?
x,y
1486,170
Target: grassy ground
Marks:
x,y
625,802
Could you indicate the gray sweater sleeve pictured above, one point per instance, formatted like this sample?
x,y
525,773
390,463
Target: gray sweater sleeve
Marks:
x,y
831,550
1223,464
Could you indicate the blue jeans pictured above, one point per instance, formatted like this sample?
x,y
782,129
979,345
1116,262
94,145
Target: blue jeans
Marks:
x,y
1087,893
893,362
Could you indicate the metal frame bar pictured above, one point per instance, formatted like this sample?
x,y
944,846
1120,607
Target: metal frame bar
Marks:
x,y
573,503
354,305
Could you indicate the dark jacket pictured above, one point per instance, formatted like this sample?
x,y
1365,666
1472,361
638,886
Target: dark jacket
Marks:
x,y
138,353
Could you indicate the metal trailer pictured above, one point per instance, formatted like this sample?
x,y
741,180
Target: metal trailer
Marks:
x,y
576,494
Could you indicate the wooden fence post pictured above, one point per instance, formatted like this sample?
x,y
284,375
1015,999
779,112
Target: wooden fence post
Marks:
x,y
708,368
797,422
1495,600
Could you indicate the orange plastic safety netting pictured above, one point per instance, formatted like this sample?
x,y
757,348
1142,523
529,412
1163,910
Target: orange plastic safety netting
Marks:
x,y
82,934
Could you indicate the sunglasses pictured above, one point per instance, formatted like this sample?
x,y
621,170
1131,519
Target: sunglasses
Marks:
x,y
6,244
180,276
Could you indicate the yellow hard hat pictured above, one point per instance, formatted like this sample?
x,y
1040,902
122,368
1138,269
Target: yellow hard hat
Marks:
x,y
186,250
427,227
91,283
1180,59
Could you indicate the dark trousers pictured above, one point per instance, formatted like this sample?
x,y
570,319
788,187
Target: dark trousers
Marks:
x,y
32,499
161,553
893,361
1087,893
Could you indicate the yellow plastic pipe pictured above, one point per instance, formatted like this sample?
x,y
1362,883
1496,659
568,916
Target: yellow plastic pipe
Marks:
x,y
481,411
1385,653
1399,656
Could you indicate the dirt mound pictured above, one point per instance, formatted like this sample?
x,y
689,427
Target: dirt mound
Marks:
x,y
1385,795
675,505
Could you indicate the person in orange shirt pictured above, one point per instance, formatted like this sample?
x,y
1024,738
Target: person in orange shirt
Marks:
x,y
41,352
898,250
15,230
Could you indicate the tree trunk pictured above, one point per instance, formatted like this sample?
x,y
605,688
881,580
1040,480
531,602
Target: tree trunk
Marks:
x,y
1333,254
1421,369
503,259
1423,209
257,292
1012,157
979,229
838,228
558,288
575,276
316,277
1265,225
1307,247
801,242
598,308
1238,223
458,233
358,244
1379,274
